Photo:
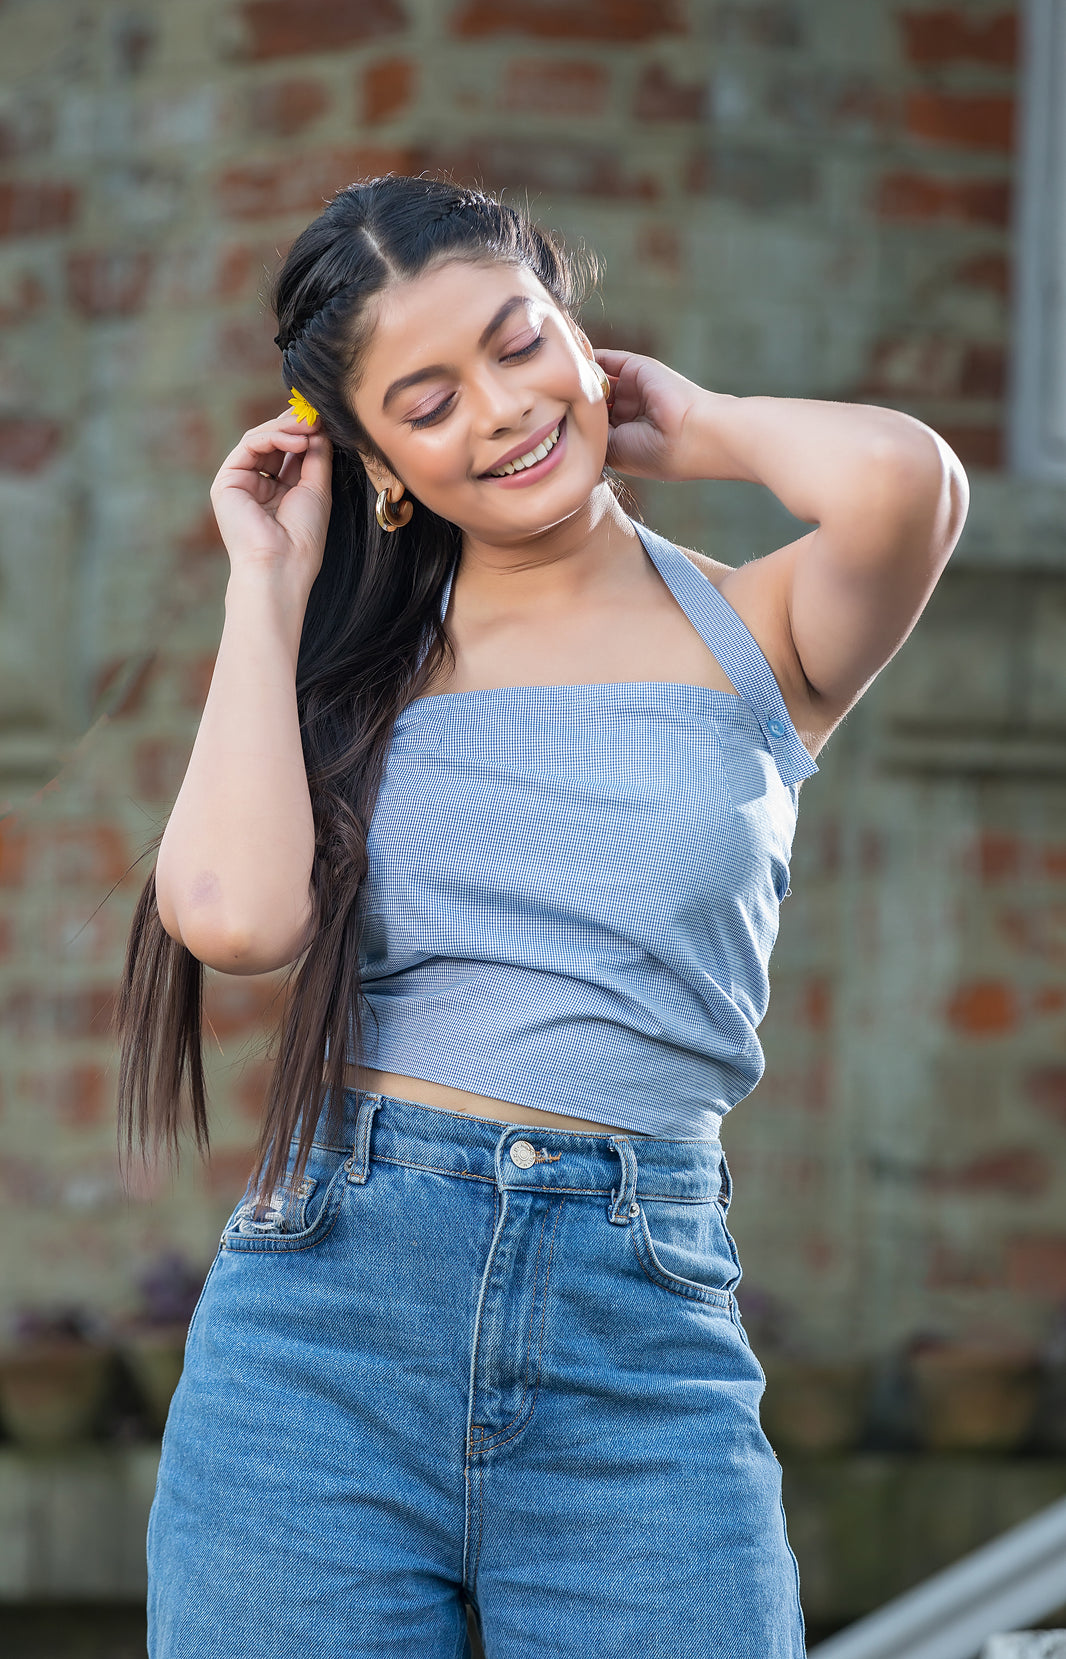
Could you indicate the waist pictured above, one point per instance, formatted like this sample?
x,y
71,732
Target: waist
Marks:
x,y
441,1095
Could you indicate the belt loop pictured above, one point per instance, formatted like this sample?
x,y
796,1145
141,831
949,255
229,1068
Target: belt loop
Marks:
x,y
623,1204
725,1182
359,1162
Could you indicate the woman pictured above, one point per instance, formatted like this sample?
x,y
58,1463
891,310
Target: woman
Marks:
x,y
515,777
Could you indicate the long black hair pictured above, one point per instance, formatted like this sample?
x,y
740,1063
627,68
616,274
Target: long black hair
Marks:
x,y
372,638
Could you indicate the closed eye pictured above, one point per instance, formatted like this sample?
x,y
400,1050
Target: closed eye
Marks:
x,y
442,408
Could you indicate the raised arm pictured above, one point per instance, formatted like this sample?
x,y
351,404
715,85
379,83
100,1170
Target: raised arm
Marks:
x,y
887,493
233,870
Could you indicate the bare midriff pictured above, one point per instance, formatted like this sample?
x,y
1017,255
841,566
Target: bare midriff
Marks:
x,y
462,1100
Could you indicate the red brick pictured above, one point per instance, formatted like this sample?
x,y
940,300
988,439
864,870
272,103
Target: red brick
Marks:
x,y
980,445
1045,1086
774,23
952,36
28,442
133,38
608,20
237,268
239,1005
159,767
28,296
68,930
975,121
303,181
281,29
556,167
201,544
983,1008
984,270
227,1170
67,854
660,98
79,1095
935,367
925,365
253,411
996,856
194,680
243,347
109,282
920,196
138,673
14,849
951,1267
388,88
1036,1266
32,209
1012,1170
817,1004
180,438
1038,931
758,178
61,1015
983,370
283,108
660,244
1053,860
555,86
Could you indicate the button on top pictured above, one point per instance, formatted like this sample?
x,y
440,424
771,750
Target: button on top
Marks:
x,y
522,1154
777,727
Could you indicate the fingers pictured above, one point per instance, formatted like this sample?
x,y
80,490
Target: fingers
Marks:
x,y
612,360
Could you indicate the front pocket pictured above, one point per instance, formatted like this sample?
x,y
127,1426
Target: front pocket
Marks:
x,y
686,1248
298,1214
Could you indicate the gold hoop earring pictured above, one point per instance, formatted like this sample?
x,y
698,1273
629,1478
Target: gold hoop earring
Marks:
x,y
387,517
608,394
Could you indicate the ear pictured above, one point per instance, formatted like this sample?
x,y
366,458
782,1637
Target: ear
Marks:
x,y
379,475
582,339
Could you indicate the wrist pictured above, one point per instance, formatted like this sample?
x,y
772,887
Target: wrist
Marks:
x,y
707,449
268,598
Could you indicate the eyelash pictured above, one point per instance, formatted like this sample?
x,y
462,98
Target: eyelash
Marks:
x,y
525,351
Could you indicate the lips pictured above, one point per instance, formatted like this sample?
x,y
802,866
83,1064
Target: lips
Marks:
x,y
526,448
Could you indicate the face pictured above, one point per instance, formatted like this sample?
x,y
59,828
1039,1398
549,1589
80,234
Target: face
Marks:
x,y
470,368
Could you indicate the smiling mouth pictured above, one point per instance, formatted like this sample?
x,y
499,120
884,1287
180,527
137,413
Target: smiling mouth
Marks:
x,y
531,457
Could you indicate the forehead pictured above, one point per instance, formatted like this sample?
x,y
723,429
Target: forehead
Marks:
x,y
439,315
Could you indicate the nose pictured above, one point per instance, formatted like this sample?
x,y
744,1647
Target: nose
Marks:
x,y
502,405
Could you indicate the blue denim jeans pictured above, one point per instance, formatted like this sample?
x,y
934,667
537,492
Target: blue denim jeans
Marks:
x,y
475,1362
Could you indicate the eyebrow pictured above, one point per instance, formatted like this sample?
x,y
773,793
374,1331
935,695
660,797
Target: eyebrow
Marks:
x,y
433,369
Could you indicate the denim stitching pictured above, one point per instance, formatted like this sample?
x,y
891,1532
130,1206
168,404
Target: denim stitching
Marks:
x,y
698,1293
587,1192
280,1242
492,1445
525,1387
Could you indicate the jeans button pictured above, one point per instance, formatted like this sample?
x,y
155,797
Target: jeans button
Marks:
x,y
522,1154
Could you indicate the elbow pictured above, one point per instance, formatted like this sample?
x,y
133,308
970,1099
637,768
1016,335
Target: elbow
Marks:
x,y
231,951
931,476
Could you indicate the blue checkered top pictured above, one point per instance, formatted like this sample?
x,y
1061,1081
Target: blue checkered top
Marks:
x,y
573,890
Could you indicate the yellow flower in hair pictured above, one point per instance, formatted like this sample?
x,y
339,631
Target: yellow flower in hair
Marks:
x,y
302,409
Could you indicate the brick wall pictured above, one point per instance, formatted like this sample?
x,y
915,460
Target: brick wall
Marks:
x,y
802,200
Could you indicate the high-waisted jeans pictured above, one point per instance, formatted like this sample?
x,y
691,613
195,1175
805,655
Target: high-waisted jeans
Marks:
x,y
470,1362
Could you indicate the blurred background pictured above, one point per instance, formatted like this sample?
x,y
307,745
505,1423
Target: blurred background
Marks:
x,y
800,198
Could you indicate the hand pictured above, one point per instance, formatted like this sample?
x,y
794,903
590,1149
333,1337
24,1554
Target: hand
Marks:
x,y
651,403
276,522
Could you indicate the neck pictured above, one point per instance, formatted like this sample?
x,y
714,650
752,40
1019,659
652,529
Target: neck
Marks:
x,y
556,566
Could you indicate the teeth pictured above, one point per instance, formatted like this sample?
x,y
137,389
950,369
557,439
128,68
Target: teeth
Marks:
x,y
530,458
